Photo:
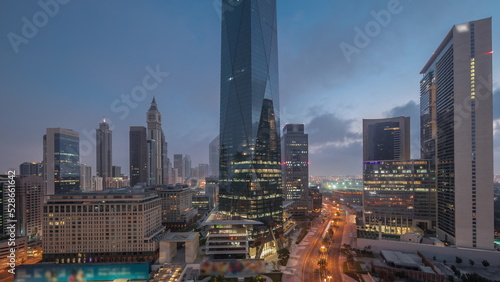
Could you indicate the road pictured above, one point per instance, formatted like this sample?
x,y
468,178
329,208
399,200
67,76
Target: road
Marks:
x,y
310,268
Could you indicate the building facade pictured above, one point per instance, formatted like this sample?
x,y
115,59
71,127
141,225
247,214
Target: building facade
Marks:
x,y
213,157
104,150
177,205
295,168
117,225
457,131
386,139
398,196
61,160
85,177
138,155
30,168
250,171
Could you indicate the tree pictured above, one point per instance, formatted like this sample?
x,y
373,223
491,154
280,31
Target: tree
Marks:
x,y
485,263
322,263
471,262
458,260
283,256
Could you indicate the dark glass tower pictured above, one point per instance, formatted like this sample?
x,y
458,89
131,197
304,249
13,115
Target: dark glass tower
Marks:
x,y
138,155
386,139
250,171
104,150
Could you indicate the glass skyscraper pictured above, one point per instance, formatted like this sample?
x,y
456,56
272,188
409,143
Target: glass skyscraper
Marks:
x,y
250,171
386,139
61,160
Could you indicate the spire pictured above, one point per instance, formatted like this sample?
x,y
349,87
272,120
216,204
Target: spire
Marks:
x,y
153,105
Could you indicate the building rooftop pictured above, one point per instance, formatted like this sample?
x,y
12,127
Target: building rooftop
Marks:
x,y
220,218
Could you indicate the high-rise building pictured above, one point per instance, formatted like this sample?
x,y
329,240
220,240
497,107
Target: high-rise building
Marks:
x,y
457,131
138,155
116,225
61,160
85,177
179,167
386,139
398,196
250,171
31,187
156,143
202,171
104,150
117,171
187,166
30,168
213,157
295,168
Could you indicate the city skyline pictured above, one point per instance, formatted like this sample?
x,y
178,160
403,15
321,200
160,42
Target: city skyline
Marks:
x,y
312,92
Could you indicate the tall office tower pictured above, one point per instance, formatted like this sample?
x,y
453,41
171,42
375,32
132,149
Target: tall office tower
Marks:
x,y
156,141
187,166
61,160
85,177
30,168
250,170
295,168
116,171
165,162
179,166
101,228
457,80
386,139
32,189
213,157
398,196
104,150
138,155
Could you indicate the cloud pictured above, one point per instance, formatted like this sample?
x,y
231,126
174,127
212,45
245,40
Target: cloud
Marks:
x,y
412,110
334,149
496,104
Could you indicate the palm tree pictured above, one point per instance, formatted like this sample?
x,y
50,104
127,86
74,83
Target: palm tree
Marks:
x,y
322,263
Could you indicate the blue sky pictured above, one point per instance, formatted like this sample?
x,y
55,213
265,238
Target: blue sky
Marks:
x,y
77,65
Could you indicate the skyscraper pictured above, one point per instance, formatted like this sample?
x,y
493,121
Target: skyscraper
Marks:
x,y
85,177
187,166
295,168
156,141
250,171
213,157
104,150
179,167
138,155
457,131
386,139
61,160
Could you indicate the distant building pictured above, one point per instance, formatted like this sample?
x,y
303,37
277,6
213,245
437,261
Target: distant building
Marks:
x,y
179,167
201,203
316,201
61,160
116,182
30,168
104,152
187,167
352,197
212,191
138,155
386,139
116,171
177,205
295,168
97,183
31,188
117,225
202,171
85,177
398,196
213,157
457,131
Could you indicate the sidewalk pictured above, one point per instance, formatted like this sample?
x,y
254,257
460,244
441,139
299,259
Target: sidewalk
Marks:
x,y
292,272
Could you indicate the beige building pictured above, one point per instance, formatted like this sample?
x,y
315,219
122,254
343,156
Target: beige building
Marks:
x,y
113,225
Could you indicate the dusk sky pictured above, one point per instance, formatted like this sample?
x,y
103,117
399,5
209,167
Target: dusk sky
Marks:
x,y
74,69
